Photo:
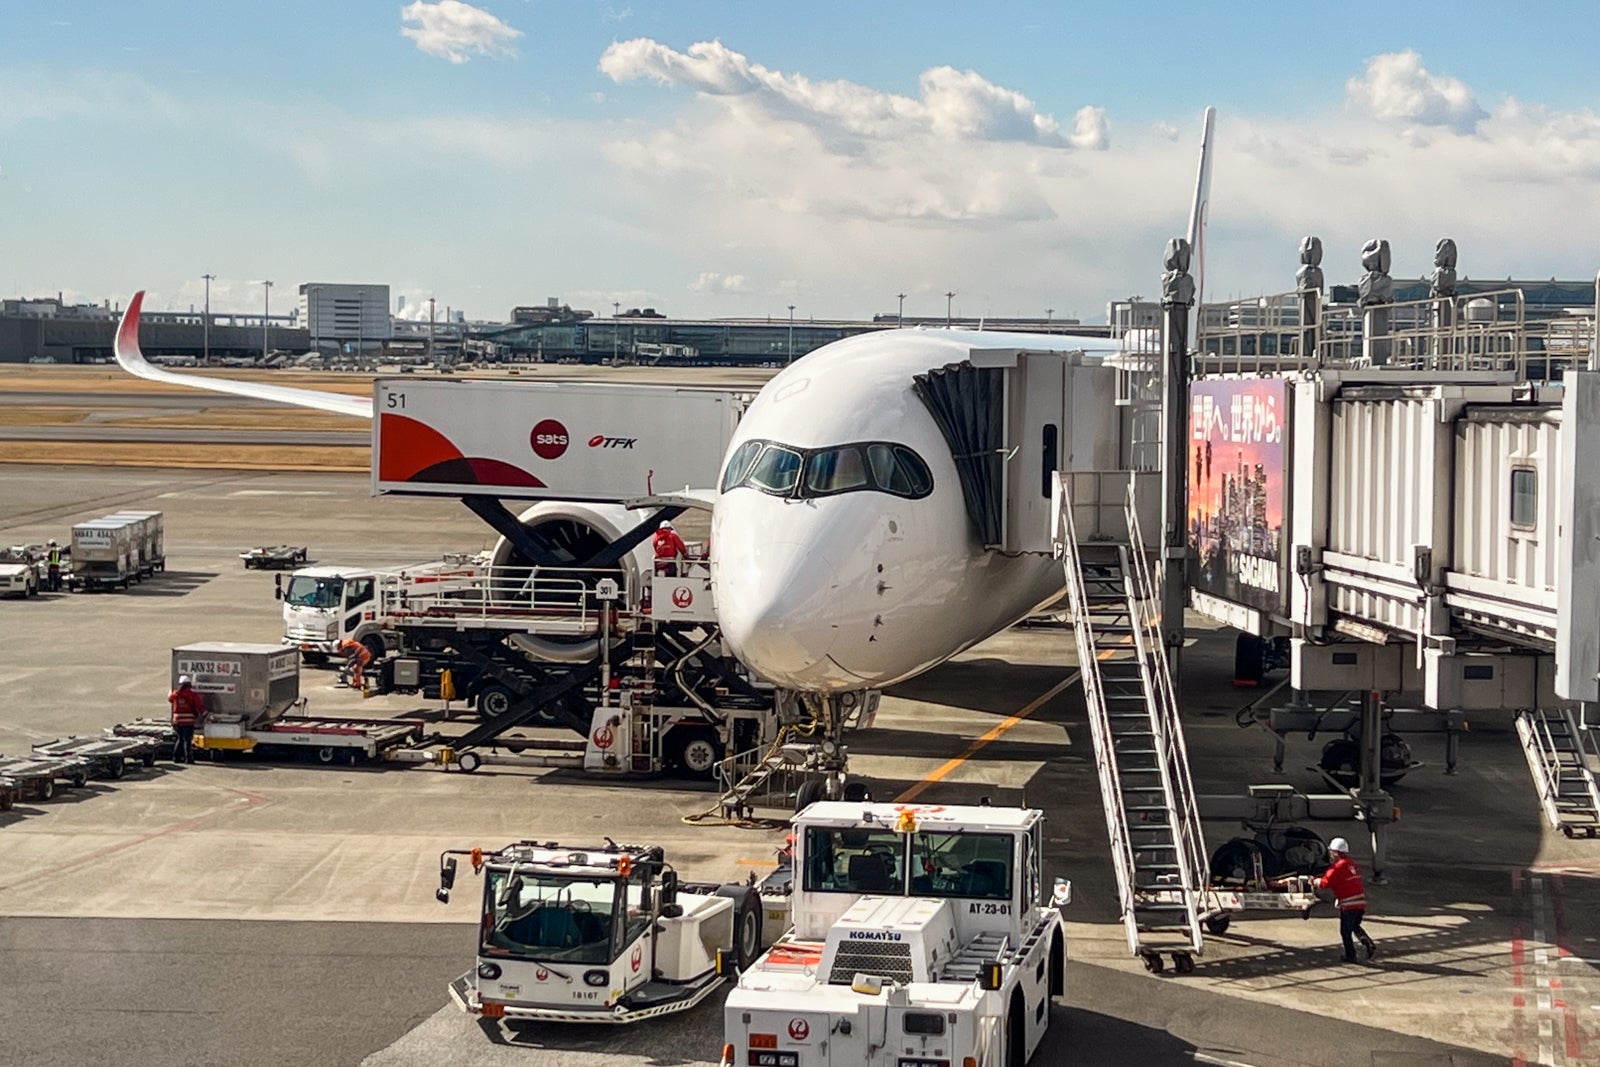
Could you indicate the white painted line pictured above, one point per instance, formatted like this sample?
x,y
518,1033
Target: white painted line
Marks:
x,y
1218,1061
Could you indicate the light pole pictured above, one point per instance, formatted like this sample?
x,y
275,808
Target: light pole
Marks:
x,y
949,298
791,333
266,309
361,314
616,329
430,330
206,329
1048,314
902,319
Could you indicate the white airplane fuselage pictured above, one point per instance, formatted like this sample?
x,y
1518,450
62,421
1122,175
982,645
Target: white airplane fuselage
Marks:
x,y
864,588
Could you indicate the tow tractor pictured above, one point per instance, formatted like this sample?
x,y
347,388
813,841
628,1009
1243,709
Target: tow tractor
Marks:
x,y
920,938
599,934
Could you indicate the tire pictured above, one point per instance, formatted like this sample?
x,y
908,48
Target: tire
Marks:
x,y
1016,1033
495,700
856,793
1300,851
1233,863
809,793
747,942
468,762
1395,757
79,779
117,769
374,644
148,759
314,659
48,789
697,753
1218,924
325,754
1341,758
1247,661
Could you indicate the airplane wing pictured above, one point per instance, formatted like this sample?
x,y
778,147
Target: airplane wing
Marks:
x,y
132,360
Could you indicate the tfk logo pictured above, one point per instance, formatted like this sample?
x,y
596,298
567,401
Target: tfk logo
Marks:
x,y
549,439
600,440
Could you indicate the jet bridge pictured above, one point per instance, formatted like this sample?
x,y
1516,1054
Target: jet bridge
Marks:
x,y
1397,491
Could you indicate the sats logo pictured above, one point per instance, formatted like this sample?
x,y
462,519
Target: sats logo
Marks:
x,y
549,439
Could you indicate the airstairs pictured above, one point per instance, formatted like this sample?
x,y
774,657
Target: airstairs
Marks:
x,y
1152,820
1561,752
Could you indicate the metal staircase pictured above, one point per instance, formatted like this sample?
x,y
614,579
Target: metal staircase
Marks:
x,y
1559,750
1157,847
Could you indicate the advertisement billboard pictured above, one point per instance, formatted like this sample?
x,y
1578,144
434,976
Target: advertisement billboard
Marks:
x,y
568,441
1238,466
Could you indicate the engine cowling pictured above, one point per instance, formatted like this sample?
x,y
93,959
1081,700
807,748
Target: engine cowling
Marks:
x,y
572,532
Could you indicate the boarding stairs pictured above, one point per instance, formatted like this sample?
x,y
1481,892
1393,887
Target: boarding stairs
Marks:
x,y
1152,819
1561,751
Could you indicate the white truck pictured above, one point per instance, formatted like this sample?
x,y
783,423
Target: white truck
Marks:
x,y
601,934
20,572
324,605
920,938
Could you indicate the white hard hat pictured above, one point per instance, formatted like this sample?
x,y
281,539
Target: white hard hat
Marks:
x,y
665,525
52,542
1339,844
184,679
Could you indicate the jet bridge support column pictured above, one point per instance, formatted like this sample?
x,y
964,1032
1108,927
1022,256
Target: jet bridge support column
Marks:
x,y
1177,297
1376,806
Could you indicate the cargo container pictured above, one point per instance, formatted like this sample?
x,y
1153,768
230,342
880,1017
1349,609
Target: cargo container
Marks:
x,y
536,440
151,539
105,553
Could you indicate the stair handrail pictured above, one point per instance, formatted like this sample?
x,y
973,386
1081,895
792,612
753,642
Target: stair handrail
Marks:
x,y
1539,750
1066,549
1162,704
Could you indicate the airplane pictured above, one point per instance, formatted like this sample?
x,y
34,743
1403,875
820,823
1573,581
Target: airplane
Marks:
x,y
843,558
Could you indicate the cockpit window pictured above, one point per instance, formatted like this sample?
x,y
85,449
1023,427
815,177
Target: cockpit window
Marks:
x,y
780,470
835,470
776,471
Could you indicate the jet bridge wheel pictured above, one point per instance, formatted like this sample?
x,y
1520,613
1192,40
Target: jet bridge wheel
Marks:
x,y
1152,962
1218,924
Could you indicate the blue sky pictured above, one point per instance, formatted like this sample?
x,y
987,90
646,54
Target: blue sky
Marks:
x,y
732,158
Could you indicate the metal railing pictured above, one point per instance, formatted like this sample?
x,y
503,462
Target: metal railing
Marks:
x,y
1488,331
565,594
1066,548
1177,780
1544,761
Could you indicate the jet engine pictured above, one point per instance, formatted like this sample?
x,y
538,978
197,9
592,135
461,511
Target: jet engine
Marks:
x,y
570,533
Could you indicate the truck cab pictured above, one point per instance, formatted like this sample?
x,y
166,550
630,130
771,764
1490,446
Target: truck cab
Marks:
x,y
597,935
324,605
920,936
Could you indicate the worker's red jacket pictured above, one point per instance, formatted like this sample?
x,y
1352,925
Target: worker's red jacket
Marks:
x,y
188,707
1345,882
669,545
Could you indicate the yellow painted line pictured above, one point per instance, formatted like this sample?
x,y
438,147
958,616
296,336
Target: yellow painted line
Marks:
x,y
756,863
939,773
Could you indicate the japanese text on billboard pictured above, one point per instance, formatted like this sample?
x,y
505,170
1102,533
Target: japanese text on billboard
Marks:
x,y
1238,459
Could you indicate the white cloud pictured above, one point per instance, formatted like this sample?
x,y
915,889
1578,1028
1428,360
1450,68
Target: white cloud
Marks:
x,y
711,282
952,105
1396,87
457,31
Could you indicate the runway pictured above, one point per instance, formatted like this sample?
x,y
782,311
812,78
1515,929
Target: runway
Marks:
x,y
249,913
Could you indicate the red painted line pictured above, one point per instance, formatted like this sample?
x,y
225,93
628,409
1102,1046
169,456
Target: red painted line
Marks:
x,y
1516,957
1518,1060
1517,1001
1574,1045
1569,1017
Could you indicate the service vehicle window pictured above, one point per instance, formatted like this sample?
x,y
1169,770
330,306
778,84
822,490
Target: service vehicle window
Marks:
x,y
360,591
976,865
304,592
547,918
851,860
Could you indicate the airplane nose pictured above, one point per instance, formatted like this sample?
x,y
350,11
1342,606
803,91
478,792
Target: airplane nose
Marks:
x,y
779,610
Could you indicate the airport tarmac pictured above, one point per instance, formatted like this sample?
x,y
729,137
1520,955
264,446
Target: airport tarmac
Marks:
x,y
248,913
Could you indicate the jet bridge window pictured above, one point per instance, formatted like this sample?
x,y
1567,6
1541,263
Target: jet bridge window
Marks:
x,y
976,865
1524,497
852,860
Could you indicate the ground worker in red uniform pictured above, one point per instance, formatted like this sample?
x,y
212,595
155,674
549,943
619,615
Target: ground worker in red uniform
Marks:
x,y
669,549
188,708
1343,879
